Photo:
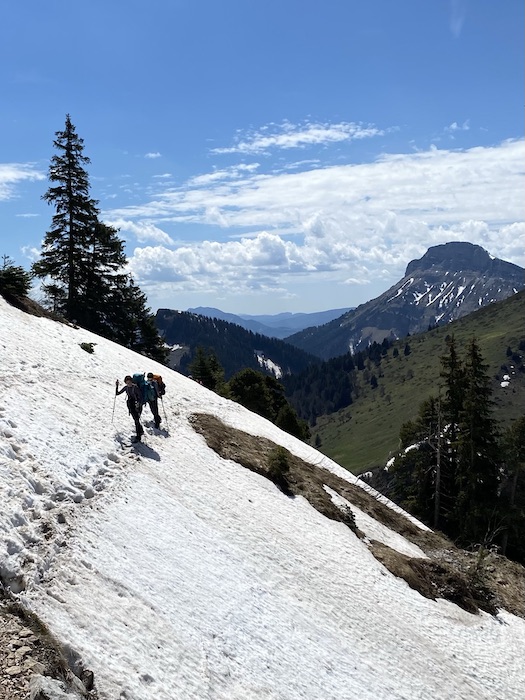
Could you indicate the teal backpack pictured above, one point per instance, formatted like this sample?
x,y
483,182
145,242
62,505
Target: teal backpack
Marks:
x,y
140,381
149,392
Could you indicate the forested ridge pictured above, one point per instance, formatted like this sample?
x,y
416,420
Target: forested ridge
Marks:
x,y
235,347
332,385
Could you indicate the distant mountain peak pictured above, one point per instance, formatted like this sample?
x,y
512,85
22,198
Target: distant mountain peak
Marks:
x,y
456,256
449,281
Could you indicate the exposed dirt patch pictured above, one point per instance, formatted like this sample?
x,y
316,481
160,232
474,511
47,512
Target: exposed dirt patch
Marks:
x,y
462,577
435,579
29,306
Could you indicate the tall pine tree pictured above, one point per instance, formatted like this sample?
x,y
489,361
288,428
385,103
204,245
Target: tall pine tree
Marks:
x,y
415,471
453,376
83,259
477,476
513,491
65,244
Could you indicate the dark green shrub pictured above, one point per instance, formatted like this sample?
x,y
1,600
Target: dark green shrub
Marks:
x,y
279,466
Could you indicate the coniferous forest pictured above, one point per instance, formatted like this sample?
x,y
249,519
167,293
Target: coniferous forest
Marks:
x,y
457,469
233,345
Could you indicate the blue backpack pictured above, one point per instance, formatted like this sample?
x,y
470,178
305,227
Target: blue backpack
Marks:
x,y
140,381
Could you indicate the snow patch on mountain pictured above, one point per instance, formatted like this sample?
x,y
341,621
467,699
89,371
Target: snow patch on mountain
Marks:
x,y
269,365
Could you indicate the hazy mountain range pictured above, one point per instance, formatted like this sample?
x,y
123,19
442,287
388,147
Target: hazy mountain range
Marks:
x,y
277,325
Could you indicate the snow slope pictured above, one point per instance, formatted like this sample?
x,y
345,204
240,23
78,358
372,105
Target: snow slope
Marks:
x,y
173,573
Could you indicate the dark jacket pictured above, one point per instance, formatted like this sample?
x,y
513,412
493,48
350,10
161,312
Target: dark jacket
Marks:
x,y
134,399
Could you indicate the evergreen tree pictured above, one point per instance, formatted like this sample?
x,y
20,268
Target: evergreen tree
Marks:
x,y
14,280
200,369
288,421
131,321
84,258
415,474
217,373
65,246
477,477
249,388
513,491
453,376
448,470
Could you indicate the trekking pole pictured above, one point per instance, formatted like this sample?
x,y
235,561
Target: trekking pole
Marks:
x,y
114,402
164,411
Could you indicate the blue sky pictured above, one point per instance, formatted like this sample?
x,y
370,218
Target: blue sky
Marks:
x,y
276,156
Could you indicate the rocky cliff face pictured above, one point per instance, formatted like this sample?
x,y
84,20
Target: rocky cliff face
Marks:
x,y
449,281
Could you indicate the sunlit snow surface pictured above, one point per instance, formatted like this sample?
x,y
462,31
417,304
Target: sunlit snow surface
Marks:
x,y
176,574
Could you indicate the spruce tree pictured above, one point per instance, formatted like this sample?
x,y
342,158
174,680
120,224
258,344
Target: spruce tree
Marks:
x,y
200,369
131,321
249,388
477,475
15,282
65,245
415,471
105,259
84,259
453,377
513,491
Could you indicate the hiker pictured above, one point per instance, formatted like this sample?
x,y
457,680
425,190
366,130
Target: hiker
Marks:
x,y
152,397
134,403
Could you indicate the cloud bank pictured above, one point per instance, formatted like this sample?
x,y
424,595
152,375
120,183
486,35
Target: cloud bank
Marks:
x,y
353,224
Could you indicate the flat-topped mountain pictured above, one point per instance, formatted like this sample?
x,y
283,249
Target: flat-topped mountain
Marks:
x,y
448,282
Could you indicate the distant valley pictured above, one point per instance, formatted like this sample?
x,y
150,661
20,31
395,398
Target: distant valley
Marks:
x,y
275,326
366,371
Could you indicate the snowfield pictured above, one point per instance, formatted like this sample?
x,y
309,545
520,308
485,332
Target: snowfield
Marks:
x,y
175,574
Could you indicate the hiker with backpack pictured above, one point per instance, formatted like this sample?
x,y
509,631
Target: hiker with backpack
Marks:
x,y
152,395
134,403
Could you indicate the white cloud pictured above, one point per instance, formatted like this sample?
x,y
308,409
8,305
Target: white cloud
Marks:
x,y
287,135
11,174
345,224
31,253
152,155
143,231
454,127
232,173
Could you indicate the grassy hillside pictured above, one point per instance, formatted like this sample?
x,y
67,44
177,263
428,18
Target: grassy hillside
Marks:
x,y
364,434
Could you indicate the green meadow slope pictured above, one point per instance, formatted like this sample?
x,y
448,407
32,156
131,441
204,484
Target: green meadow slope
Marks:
x,y
365,434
